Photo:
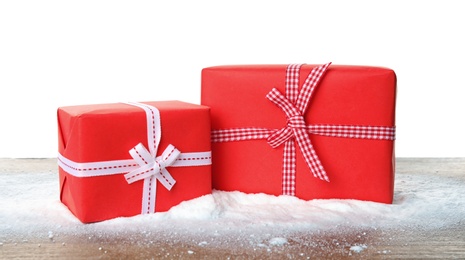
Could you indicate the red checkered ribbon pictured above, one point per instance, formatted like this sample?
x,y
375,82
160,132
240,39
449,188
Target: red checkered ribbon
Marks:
x,y
294,105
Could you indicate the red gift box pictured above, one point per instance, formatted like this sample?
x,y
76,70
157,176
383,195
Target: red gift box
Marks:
x,y
316,132
125,159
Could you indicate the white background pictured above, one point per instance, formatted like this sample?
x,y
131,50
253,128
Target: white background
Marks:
x,y
60,53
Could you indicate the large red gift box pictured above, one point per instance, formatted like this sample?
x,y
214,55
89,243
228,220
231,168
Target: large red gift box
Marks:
x,y
315,132
126,159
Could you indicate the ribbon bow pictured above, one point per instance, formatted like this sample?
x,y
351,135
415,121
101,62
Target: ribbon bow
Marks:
x,y
294,107
150,166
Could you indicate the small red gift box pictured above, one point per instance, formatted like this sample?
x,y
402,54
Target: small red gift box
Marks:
x,y
125,159
315,132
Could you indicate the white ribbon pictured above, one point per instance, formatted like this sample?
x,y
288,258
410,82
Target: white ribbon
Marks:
x,y
150,166
145,165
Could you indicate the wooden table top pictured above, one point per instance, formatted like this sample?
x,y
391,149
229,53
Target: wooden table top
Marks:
x,y
440,243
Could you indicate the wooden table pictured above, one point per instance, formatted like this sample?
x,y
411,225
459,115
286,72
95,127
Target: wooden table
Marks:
x,y
383,244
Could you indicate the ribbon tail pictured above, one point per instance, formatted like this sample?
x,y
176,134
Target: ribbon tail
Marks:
x,y
310,156
309,87
165,178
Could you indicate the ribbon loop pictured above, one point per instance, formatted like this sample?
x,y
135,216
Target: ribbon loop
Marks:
x,y
150,166
282,102
140,154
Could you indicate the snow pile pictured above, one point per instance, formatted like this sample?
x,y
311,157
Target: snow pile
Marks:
x,y
29,207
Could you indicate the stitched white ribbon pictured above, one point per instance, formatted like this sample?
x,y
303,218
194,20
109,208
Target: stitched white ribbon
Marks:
x,y
150,166
145,165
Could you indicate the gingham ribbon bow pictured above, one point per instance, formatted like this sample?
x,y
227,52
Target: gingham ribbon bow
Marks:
x,y
150,166
294,106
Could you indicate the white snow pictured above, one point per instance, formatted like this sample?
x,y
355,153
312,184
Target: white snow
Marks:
x,y
30,208
358,248
278,241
